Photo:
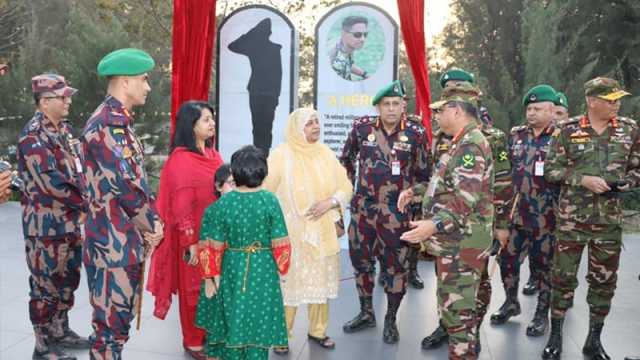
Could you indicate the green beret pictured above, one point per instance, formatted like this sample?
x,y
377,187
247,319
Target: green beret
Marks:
x,y
457,75
539,93
394,89
604,88
463,92
127,62
561,100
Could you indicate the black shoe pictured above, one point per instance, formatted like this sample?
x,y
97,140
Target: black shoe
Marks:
x,y
390,334
531,287
632,358
71,340
592,346
414,279
540,322
438,337
554,346
511,307
51,353
365,319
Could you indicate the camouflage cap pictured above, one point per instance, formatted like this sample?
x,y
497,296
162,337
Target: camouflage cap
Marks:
x,y
457,75
51,85
127,62
539,93
604,88
396,88
561,100
463,92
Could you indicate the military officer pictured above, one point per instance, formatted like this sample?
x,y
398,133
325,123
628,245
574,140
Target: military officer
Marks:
x,y
594,158
533,224
502,189
561,109
459,211
122,225
52,210
391,156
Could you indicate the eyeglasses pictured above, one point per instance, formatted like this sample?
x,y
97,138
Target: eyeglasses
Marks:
x,y
61,97
359,34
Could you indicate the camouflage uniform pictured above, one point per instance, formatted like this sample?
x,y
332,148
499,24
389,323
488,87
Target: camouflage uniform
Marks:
x,y
120,210
502,195
585,218
533,224
460,196
52,204
341,62
376,224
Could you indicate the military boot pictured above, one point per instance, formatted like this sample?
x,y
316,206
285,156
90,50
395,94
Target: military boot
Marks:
x,y
592,346
554,346
438,337
390,333
366,318
531,287
414,278
511,307
540,321
69,338
43,350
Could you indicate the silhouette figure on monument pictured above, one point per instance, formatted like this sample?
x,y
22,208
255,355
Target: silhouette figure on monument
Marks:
x,y
265,82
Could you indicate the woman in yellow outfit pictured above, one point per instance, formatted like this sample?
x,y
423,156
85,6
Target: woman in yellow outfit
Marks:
x,y
313,190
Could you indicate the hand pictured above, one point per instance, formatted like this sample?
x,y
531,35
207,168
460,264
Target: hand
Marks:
x,y
595,183
193,254
421,230
405,199
503,237
82,218
318,209
154,238
5,182
211,286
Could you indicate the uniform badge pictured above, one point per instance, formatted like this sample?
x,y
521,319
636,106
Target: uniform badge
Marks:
x,y
371,137
443,147
126,152
117,131
404,138
502,156
468,161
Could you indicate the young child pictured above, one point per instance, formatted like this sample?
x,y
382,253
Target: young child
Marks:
x,y
223,180
244,245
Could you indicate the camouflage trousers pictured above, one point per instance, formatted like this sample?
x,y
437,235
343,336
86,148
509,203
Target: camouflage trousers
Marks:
x,y
376,234
54,264
113,293
539,247
604,242
458,283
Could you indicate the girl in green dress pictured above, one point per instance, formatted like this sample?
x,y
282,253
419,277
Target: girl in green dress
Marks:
x,y
244,245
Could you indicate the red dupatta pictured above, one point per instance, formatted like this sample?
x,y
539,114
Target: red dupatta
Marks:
x,y
186,190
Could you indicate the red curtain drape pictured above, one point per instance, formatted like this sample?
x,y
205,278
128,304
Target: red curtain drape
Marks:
x,y
412,25
194,31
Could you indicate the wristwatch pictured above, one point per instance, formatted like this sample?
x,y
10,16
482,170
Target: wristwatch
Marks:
x,y
439,226
334,202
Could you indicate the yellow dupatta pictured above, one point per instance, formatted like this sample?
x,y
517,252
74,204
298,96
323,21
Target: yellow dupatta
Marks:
x,y
302,173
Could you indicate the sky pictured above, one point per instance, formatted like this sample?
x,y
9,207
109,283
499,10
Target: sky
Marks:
x,y
437,13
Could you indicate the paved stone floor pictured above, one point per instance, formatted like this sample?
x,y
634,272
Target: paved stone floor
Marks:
x,y
417,317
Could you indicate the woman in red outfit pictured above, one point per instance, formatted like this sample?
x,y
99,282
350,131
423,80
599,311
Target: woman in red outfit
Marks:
x,y
186,190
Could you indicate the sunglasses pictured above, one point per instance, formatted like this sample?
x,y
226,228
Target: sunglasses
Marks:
x,y
359,34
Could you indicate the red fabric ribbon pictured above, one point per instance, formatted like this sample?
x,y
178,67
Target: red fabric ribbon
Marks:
x,y
194,31
412,25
